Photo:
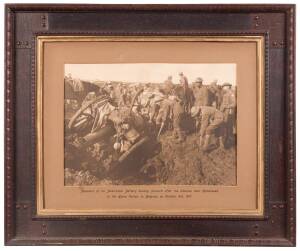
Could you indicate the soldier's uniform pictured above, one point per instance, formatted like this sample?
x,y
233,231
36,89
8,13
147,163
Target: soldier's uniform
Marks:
x,y
211,119
121,94
201,95
188,98
168,87
178,113
228,107
228,102
184,81
164,112
215,94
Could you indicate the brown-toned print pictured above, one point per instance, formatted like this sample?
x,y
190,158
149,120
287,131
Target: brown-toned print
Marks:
x,y
150,124
142,165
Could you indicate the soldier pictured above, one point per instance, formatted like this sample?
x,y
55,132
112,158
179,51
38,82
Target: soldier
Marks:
x,y
211,121
68,77
188,98
215,94
183,80
164,115
228,107
168,86
178,113
112,94
122,97
201,93
228,99
164,112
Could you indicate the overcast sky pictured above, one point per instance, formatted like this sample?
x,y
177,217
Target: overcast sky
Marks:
x,y
151,72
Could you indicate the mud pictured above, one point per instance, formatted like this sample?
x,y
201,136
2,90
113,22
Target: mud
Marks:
x,y
164,162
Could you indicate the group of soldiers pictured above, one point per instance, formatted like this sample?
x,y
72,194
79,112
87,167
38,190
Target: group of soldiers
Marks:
x,y
207,110
212,107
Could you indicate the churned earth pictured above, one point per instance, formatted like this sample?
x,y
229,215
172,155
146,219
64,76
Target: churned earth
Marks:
x,y
186,165
168,162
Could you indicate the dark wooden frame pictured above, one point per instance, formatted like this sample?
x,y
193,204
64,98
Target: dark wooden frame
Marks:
x,y
275,22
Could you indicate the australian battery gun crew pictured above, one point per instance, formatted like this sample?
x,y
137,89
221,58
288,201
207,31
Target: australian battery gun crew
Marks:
x,y
130,117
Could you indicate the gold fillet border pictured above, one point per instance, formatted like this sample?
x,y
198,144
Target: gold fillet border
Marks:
x,y
40,193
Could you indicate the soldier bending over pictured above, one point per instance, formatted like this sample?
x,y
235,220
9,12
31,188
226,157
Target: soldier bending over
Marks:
x,y
211,121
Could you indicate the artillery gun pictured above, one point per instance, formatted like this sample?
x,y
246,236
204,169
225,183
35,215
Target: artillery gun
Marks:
x,y
100,121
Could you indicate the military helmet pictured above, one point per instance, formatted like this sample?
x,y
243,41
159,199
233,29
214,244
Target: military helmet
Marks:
x,y
198,80
226,84
214,82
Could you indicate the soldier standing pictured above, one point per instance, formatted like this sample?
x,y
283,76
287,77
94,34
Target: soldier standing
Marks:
x,y
211,121
178,113
228,107
112,94
168,86
188,95
123,97
215,94
183,80
201,93
163,116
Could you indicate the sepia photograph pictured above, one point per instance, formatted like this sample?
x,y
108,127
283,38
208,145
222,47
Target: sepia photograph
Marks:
x,y
150,124
150,127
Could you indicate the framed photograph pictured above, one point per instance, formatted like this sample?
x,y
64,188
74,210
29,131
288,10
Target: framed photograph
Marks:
x,y
149,124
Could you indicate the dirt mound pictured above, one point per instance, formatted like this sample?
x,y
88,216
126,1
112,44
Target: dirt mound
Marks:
x,y
171,163
183,163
